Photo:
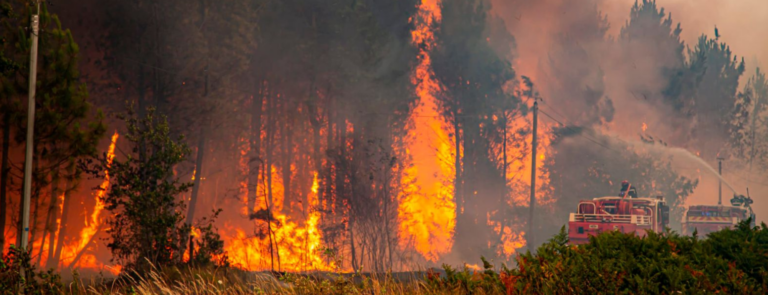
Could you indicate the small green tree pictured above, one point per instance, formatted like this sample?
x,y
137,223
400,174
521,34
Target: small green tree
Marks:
x,y
147,225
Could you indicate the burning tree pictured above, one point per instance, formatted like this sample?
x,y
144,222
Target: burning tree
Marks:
x,y
147,225
478,106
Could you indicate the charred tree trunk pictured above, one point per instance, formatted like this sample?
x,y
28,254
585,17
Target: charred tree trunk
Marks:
x,y
36,197
88,244
53,261
326,199
315,118
467,240
389,162
287,144
50,221
5,169
198,174
343,173
273,247
457,181
254,161
186,240
199,161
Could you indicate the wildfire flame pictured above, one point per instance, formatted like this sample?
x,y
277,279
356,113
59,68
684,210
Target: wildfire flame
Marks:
x,y
299,247
427,209
93,224
473,267
645,127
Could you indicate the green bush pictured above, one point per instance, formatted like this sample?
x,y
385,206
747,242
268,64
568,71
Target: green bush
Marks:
x,y
729,261
746,247
465,281
33,281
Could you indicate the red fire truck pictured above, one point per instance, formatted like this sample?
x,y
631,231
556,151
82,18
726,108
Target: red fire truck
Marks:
x,y
627,215
706,219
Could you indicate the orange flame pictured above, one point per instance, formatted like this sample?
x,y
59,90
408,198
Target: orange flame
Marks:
x,y
427,209
299,247
519,161
473,267
92,225
88,260
644,127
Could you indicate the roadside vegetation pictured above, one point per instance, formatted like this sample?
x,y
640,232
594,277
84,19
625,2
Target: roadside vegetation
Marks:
x,y
732,261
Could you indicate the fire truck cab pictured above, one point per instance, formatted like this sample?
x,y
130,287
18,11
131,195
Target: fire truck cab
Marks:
x,y
705,219
627,215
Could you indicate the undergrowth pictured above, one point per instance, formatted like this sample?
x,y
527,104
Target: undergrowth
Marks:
x,y
733,261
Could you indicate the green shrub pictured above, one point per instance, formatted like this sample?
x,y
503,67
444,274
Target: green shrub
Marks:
x,y
746,247
729,261
33,281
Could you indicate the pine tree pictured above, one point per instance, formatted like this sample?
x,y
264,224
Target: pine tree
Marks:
x,y
67,127
474,77
748,124
650,57
715,95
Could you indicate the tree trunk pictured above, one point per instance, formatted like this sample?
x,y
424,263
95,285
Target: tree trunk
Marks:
x,y
342,171
274,248
199,160
50,221
352,244
36,197
269,218
4,178
54,260
388,198
254,162
198,174
457,181
85,248
326,199
287,144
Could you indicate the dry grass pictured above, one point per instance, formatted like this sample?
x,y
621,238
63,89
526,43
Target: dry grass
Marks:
x,y
232,281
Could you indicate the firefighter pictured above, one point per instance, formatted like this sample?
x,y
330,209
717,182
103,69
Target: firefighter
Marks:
x,y
626,185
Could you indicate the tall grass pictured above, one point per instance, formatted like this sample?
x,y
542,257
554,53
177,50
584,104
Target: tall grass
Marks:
x,y
174,281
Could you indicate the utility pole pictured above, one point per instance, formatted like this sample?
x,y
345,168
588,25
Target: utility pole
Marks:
x,y
720,181
30,131
533,174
